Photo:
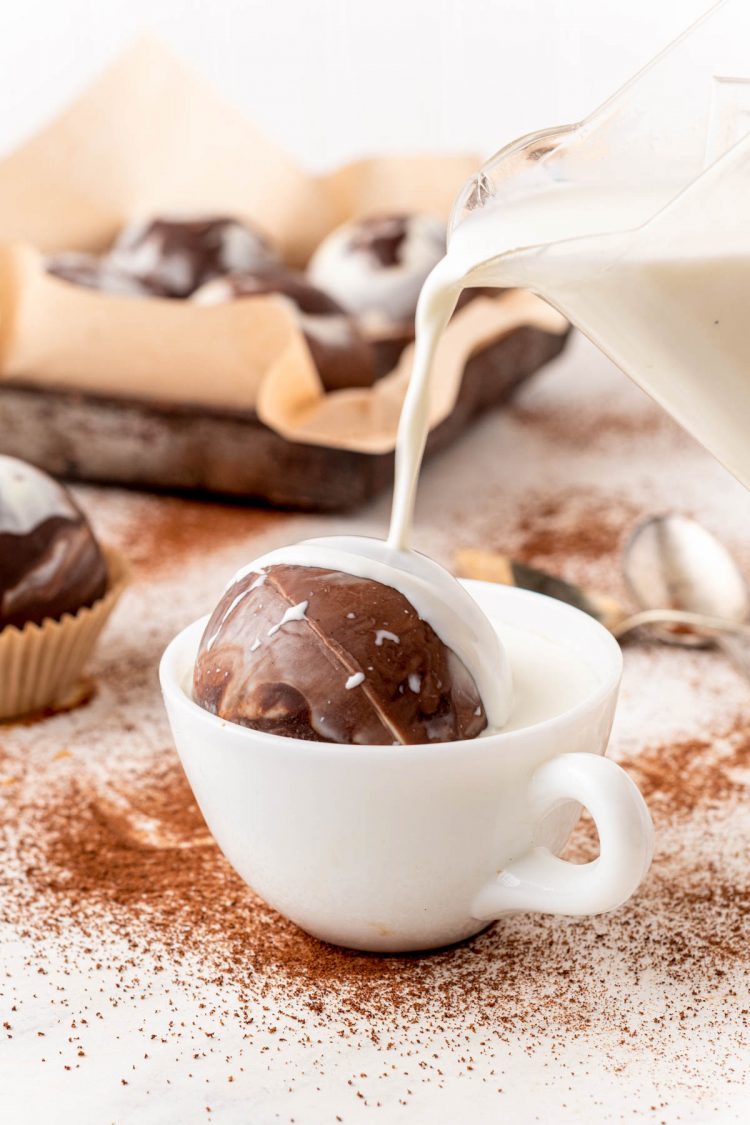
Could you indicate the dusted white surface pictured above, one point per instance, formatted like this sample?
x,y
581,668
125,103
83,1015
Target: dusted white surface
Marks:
x,y
661,985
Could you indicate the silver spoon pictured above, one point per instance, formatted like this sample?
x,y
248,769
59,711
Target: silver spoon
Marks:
x,y
673,561
491,566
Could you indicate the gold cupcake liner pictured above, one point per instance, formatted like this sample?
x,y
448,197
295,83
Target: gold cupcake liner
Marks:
x,y
41,664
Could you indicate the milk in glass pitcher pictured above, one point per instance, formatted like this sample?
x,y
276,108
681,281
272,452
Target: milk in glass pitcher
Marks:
x,y
635,224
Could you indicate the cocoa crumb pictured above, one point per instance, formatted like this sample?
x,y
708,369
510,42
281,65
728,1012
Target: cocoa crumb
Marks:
x,y
124,914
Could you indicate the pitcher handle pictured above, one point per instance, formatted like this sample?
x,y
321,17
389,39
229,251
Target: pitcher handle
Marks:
x,y
541,882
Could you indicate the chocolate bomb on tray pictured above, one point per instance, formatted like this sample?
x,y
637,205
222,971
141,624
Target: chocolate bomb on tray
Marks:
x,y
50,562
340,352
178,255
94,272
375,267
98,434
325,656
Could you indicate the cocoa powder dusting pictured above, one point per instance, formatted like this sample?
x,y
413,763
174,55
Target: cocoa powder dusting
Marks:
x,y
573,426
137,863
158,532
577,524
137,961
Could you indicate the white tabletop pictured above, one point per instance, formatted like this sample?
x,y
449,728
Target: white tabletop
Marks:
x,y
122,1004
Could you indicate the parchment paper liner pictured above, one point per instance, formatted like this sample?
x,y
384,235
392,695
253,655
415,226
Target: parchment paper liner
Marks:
x,y
40,664
147,138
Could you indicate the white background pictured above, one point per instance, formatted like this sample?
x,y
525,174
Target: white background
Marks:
x,y
332,79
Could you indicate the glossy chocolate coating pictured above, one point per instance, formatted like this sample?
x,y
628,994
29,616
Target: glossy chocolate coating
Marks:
x,y
383,238
93,272
375,267
320,655
340,352
50,562
270,278
178,255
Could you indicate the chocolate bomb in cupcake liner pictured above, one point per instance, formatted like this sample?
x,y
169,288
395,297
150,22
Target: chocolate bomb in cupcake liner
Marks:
x,y
57,589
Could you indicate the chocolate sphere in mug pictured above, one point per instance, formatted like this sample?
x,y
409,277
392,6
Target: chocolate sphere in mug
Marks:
x,y
345,639
326,656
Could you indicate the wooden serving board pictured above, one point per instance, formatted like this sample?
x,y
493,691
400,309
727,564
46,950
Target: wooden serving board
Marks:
x,y
191,449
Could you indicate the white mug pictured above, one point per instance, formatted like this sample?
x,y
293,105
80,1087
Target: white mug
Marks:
x,y
391,849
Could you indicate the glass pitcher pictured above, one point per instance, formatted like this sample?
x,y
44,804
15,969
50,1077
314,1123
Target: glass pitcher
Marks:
x,y
635,223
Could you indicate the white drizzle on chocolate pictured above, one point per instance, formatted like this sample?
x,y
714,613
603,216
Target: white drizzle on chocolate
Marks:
x,y
385,635
294,613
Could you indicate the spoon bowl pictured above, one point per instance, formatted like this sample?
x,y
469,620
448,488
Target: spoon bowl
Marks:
x,y
672,562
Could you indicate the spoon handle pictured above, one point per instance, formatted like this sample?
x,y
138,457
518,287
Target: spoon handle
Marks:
x,y
735,649
696,622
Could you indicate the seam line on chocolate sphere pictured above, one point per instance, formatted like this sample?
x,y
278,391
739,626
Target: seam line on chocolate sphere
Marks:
x,y
344,658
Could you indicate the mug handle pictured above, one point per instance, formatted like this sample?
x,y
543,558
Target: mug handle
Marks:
x,y
540,881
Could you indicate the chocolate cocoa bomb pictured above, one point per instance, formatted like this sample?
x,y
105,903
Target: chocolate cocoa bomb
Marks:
x,y
376,267
179,254
340,352
324,656
50,562
93,272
